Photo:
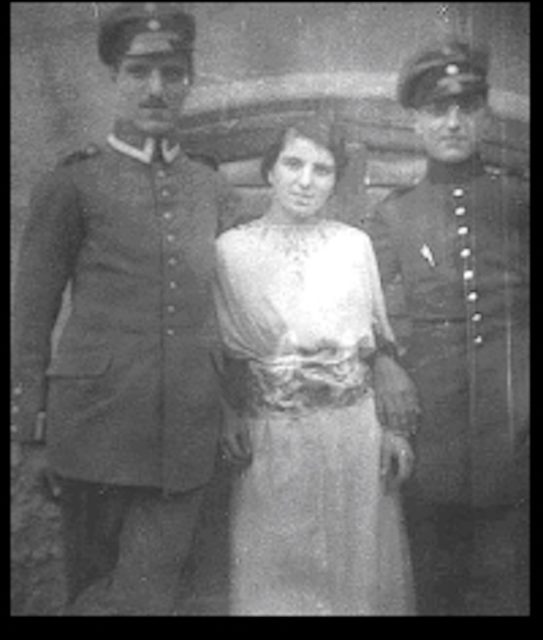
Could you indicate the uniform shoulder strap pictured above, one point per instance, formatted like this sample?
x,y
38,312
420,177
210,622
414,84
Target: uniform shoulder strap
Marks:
x,y
90,151
519,172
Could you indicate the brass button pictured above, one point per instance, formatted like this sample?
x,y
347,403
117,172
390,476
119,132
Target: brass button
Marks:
x,y
472,296
478,340
173,285
161,173
17,390
458,192
465,253
462,231
460,211
477,317
170,332
170,237
468,275
172,262
170,308
15,409
168,215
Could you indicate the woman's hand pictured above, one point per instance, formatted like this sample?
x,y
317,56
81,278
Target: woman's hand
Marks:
x,y
235,440
397,459
396,399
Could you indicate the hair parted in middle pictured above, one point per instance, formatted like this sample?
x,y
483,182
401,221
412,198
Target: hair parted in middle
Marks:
x,y
320,130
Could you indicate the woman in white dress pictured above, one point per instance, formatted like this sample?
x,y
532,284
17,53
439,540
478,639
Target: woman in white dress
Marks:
x,y
316,528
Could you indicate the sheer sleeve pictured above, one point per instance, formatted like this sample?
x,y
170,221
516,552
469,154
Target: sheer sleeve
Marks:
x,y
232,322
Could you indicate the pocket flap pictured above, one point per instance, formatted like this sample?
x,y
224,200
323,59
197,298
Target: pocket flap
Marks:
x,y
80,364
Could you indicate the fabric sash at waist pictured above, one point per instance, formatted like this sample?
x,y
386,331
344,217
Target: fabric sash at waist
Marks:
x,y
300,384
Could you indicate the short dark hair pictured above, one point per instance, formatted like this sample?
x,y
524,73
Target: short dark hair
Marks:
x,y
319,130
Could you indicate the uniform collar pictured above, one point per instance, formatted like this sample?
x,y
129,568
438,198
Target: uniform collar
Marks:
x,y
455,172
126,139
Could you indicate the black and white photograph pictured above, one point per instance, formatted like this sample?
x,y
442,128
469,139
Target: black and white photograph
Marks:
x,y
270,309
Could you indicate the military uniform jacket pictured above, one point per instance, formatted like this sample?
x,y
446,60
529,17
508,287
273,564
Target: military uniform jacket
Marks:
x,y
130,394
459,241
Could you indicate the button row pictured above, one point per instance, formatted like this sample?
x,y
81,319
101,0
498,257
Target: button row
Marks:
x,y
15,409
172,261
465,253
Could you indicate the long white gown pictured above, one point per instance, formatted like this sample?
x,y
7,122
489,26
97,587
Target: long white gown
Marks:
x,y
313,530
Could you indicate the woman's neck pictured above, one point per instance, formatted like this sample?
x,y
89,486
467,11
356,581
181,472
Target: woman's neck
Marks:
x,y
277,214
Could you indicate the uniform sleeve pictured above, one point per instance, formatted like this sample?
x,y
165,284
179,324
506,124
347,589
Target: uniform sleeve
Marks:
x,y
48,249
230,206
381,325
523,232
380,230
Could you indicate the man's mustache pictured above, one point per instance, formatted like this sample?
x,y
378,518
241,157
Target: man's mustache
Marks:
x,y
153,104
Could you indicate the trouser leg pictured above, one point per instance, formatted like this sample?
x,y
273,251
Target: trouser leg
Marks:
x,y
469,561
154,543
209,560
440,538
522,559
92,516
499,568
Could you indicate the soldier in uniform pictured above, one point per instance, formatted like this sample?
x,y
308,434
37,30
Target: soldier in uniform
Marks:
x,y
459,241
128,405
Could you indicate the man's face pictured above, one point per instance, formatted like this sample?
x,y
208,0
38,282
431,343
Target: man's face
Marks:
x,y
453,127
151,91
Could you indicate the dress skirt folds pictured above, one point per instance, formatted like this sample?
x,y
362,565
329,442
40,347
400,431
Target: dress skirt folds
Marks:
x,y
314,532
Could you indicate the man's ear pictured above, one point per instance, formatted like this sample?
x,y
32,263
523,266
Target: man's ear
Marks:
x,y
414,117
487,119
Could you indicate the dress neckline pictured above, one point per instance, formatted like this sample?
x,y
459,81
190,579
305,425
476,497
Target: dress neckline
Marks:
x,y
295,228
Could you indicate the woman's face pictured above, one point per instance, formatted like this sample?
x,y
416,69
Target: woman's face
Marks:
x,y
303,177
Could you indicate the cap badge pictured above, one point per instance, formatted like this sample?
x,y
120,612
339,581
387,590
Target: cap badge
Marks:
x,y
154,25
452,69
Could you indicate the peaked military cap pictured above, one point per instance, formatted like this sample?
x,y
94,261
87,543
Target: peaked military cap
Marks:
x,y
443,70
145,28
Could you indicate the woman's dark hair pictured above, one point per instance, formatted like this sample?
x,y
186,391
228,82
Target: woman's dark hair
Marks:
x,y
319,130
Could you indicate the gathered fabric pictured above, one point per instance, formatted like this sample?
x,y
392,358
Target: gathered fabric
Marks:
x,y
305,382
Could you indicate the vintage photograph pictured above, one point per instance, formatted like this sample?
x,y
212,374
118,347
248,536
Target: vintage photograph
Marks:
x,y
270,309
